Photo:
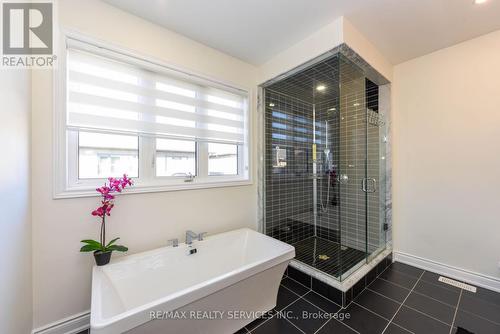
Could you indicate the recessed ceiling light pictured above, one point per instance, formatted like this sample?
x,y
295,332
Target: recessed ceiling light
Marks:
x,y
320,88
478,2
271,104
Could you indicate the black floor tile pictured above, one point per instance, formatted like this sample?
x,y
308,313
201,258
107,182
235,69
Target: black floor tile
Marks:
x,y
448,296
399,278
334,326
406,269
321,302
305,316
419,323
276,325
389,290
285,298
395,329
299,276
431,307
433,278
475,324
375,302
489,296
363,321
428,309
259,321
294,286
480,307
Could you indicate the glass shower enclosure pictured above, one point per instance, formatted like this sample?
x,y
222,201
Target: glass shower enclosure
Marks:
x,y
324,165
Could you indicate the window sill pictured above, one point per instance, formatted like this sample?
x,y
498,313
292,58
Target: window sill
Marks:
x,y
89,191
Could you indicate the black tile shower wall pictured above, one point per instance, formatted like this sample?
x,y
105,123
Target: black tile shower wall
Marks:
x,y
288,168
333,294
288,185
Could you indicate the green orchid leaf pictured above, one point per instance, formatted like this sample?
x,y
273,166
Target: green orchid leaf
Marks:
x,y
90,248
118,248
111,242
91,242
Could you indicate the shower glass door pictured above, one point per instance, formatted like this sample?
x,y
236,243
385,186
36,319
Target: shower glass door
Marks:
x,y
375,169
352,167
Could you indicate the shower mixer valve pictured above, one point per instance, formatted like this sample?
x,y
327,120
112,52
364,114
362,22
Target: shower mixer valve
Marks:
x,y
343,178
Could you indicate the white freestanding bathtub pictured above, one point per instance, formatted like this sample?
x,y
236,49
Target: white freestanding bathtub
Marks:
x,y
231,280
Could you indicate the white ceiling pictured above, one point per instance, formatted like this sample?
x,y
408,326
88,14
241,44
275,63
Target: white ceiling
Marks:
x,y
256,30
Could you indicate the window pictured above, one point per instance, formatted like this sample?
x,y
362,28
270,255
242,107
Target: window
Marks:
x,y
222,159
165,128
175,157
103,155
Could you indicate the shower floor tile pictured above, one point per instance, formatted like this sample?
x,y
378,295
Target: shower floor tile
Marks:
x,y
327,256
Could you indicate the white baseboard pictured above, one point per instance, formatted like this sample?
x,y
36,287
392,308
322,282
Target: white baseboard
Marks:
x,y
484,281
70,325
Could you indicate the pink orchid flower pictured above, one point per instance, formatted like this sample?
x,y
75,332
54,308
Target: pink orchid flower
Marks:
x,y
113,185
125,181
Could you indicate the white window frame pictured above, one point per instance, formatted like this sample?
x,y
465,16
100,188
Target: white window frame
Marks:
x,y
66,182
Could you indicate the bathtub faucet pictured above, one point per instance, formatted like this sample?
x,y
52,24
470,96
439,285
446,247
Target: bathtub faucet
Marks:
x,y
190,235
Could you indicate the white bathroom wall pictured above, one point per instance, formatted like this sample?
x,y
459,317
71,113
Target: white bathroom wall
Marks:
x,y
15,196
446,135
62,275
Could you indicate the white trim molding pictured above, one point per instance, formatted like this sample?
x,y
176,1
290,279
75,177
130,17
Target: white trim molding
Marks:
x,y
484,281
70,325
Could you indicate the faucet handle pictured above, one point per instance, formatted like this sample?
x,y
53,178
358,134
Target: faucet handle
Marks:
x,y
173,242
201,235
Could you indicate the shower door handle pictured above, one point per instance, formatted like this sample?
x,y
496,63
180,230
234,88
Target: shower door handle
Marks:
x,y
365,185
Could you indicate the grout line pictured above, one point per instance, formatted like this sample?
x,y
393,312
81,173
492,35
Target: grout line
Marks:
x,y
341,322
322,326
428,315
456,311
300,297
382,295
394,283
400,306
328,299
303,297
295,325
407,330
366,308
437,300
481,317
